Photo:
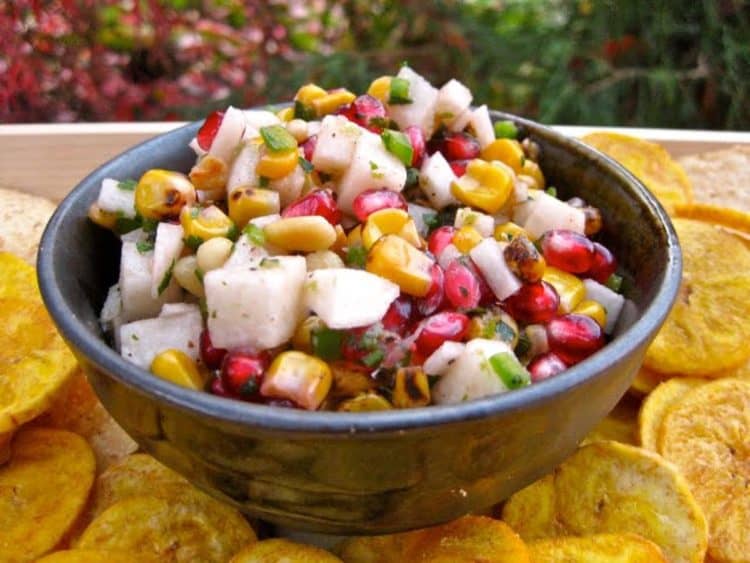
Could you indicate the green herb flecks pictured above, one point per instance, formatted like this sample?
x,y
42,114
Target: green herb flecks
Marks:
x,y
144,246
127,185
269,263
356,256
326,343
301,111
306,165
399,145
255,234
373,358
193,242
614,282
166,279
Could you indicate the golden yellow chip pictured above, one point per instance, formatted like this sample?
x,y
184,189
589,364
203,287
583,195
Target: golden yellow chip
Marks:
x,y
277,550
619,425
732,219
707,329
648,162
656,405
17,278
608,487
599,548
532,511
95,556
184,525
646,381
43,490
707,436
471,538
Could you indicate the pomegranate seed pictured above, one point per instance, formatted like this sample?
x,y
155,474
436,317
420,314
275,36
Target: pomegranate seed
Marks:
x,y
308,147
545,366
459,167
367,111
462,287
568,250
211,356
574,337
603,265
319,202
242,374
370,201
533,303
208,130
448,325
217,388
398,315
439,239
416,137
459,146
433,301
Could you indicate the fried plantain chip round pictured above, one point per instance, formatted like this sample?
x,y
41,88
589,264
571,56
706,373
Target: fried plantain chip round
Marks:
x,y
43,489
95,556
648,162
619,425
707,330
182,525
278,549
706,436
656,405
17,278
645,381
532,511
599,548
732,219
471,538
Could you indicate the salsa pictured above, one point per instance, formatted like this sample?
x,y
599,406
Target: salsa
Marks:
x,y
394,249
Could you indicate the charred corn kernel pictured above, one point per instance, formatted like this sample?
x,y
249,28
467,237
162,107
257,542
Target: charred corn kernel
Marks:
x,y
592,309
302,338
524,259
507,151
484,186
308,93
306,234
275,165
380,88
508,231
101,217
354,237
285,114
188,275
466,238
340,243
209,174
394,259
162,194
323,260
533,171
350,380
410,388
332,101
246,202
570,288
495,324
179,368
213,253
299,377
390,222
366,402
201,224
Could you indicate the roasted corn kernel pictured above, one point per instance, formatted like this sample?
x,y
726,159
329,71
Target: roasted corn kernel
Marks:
x,y
380,88
246,202
570,288
188,275
179,368
298,377
524,259
213,253
507,151
302,338
201,224
101,217
410,388
322,260
285,114
466,238
309,93
495,324
532,170
507,231
365,402
485,186
390,222
306,233
394,259
209,174
350,380
275,165
162,194
332,101
592,309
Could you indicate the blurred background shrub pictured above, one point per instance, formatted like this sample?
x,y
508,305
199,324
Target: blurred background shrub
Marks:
x,y
635,63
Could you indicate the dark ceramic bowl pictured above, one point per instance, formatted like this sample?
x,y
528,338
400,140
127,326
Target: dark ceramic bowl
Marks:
x,y
345,473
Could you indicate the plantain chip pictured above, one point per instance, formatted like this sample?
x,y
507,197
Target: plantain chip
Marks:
x,y
645,381
22,220
706,435
95,556
599,548
181,525
608,487
17,278
471,538
656,405
43,490
732,219
280,550
619,425
648,162
707,330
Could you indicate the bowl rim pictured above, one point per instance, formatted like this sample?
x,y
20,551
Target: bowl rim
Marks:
x,y
275,419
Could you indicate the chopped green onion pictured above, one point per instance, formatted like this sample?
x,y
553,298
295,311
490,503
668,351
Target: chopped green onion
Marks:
x,y
127,185
193,242
277,138
306,165
523,346
124,225
505,331
166,279
326,343
399,93
199,274
373,358
356,256
148,225
510,370
412,177
301,111
255,234
431,220
233,232
144,246
614,282
552,190
505,130
268,263
263,181
399,145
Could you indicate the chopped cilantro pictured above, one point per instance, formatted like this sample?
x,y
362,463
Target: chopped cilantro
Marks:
x,y
301,111
144,246
127,185
193,242
326,343
356,256
166,279
277,138
255,234
233,232
431,220
614,282
149,225
412,177
523,346
268,263
552,190
124,225
373,358
373,165
306,165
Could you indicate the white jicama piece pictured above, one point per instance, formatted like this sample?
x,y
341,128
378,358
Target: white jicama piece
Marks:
x,y
245,254
258,118
421,110
461,122
197,149
228,135
453,100
483,223
481,124
441,359
435,178
334,148
448,255
610,300
258,308
372,166
544,213
346,298
167,249
242,170
135,284
489,258
112,308
179,329
116,197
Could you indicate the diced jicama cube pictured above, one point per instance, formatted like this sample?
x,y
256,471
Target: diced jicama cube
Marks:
x,y
442,358
610,300
142,341
483,223
257,308
372,166
448,255
435,179
542,213
346,298
462,121
229,134
258,118
136,267
117,197
112,307
334,148
242,170
488,257
421,110
417,213
471,375
290,186
452,101
245,254
197,149
167,249
481,124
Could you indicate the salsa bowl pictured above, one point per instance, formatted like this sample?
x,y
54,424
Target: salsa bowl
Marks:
x,y
375,472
